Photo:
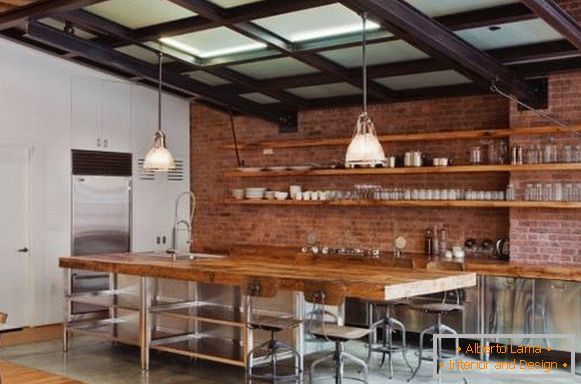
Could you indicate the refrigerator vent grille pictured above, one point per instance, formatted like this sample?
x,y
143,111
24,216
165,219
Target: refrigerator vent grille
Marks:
x,y
98,163
145,174
177,174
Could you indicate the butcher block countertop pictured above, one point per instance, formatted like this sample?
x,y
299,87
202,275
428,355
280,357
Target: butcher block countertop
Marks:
x,y
365,279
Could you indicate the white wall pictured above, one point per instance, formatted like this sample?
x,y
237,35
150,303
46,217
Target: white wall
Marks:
x,y
35,111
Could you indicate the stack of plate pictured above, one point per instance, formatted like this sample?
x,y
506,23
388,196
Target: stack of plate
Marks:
x,y
254,193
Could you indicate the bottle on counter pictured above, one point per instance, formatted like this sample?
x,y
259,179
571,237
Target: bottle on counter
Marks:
x,y
443,242
429,243
435,242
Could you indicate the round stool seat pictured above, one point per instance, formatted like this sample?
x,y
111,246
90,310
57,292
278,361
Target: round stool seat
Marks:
x,y
339,332
274,323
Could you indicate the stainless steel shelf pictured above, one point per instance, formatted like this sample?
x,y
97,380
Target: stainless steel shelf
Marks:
x,y
204,312
207,348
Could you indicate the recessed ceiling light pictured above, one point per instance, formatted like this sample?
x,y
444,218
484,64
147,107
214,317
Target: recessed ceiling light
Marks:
x,y
218,52
329,32
494,28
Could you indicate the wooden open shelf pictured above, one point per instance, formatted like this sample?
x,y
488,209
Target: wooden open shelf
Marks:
x,y
432,136
415,203
410,170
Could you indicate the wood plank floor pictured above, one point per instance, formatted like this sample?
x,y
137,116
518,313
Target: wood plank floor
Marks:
x,y
17,374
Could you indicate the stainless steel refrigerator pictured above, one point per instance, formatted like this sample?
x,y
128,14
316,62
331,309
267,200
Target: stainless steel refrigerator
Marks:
x,y
101,223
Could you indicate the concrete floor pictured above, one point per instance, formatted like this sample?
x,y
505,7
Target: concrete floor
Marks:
x,y
98,362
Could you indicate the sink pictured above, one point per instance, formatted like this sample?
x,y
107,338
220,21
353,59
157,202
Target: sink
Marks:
x,y
196,256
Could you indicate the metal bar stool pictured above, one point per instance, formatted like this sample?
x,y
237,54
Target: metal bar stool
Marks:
x,y
268,288
331,293
388,324
440,309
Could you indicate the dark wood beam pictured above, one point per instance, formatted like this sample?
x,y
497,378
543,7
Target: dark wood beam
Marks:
x,y
440,43
111,58
557,18
255,32
40,8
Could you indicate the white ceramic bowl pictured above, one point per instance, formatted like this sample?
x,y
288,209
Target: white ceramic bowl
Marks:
x,y
238,194
269,195
281,195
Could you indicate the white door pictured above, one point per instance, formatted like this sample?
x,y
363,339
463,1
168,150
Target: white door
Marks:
x,y
14,235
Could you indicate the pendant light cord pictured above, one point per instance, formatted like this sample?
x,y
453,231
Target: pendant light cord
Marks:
x,y
564,127
364,17
160,89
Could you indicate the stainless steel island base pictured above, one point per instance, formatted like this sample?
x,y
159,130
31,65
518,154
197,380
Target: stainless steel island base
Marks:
x,y
201,321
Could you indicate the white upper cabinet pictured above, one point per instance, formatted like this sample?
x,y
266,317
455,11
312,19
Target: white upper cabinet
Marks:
x,y
100,115
86,113
116,116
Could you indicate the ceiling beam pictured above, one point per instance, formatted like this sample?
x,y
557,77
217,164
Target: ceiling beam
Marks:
x,y
464,20
111,58
543,52
19,15
255,32
87,20
557,18
440,43
240,13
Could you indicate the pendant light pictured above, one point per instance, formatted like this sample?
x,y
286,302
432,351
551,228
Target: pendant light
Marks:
x,y
159,158
365,150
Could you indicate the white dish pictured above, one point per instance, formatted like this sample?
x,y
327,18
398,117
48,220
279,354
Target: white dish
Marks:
x,y
301,168
269,195
281,195
277,168
250,169
238,194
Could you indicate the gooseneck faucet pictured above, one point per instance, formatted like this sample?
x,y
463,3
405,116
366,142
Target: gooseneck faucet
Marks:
x,y
178,223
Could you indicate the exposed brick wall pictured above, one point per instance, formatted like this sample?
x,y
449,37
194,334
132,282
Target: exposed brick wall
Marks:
x,y
536,235
554,235
218,225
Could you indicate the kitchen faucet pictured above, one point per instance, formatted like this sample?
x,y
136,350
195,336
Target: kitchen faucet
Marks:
x,y
178,223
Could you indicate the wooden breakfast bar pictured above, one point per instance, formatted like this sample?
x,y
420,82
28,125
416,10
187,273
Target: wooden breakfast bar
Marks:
x,y
363,279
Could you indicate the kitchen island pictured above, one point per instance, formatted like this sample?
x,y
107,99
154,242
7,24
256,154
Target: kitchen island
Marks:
x,y
363,279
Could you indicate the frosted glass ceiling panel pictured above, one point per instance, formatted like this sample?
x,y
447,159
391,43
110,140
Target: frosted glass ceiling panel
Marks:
x,y
510,34
422,80
314,23
435,8
259,98
232,3
139,13
213,42
207,78
325,90
390,52
269,69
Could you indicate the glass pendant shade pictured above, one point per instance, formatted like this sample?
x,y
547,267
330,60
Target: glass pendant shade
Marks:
x,y
159,158
365,150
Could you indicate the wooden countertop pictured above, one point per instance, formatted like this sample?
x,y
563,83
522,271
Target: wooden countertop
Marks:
x,y
481,266
362,278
